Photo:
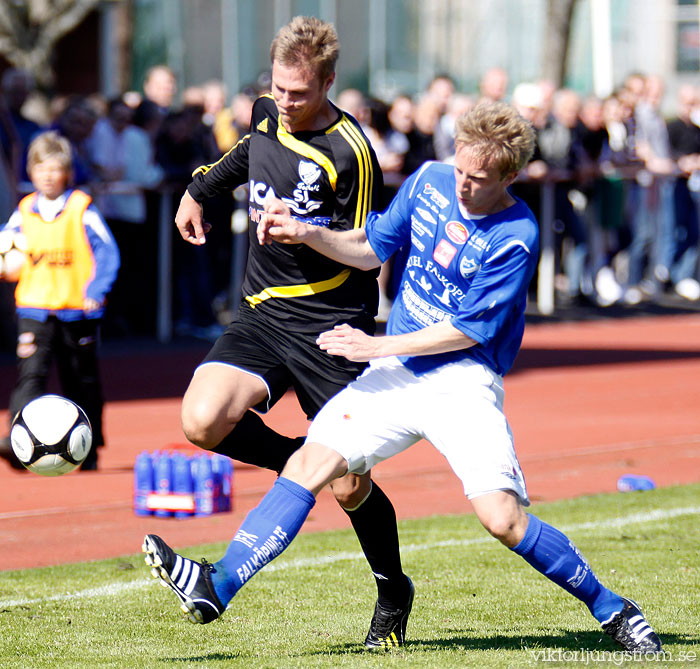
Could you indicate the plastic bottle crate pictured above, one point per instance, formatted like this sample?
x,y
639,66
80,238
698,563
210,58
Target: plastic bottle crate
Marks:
x,y
172,484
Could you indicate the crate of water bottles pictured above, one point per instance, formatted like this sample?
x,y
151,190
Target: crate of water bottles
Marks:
x,y
175,484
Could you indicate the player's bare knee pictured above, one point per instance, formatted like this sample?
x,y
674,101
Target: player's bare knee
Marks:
x,y
508,528
351,490
201,426
500,528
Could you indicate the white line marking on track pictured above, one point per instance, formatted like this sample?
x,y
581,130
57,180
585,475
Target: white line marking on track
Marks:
x,y
115,589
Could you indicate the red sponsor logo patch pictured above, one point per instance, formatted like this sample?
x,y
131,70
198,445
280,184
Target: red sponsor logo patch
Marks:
x,y
444,252
457,232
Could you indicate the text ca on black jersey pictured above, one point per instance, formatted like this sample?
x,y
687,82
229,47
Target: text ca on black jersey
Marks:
x,y
328,177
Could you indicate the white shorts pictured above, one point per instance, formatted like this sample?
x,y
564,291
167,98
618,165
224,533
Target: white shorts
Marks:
x,y
457,407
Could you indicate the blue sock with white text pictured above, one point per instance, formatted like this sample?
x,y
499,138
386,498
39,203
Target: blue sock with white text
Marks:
x,y
552,553
266,531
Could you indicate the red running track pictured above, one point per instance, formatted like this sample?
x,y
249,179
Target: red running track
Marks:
x,y
587,402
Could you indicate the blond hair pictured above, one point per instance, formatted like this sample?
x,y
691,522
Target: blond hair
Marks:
x,y
308,42
50,145
496,132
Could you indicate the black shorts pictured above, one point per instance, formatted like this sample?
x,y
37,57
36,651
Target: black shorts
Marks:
x,y
284,360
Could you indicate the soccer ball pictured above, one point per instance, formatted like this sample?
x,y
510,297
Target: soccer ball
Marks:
x,y
51,435
13,246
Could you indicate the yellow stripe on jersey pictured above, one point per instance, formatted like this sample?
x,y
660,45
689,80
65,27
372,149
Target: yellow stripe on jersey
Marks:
x,y
203,169
366,175
300,290
308,151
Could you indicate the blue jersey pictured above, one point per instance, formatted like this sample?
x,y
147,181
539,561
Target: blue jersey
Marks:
x,y
473,273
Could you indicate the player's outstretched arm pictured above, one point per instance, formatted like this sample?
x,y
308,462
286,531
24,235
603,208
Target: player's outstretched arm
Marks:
x,y
190,222
358,346
349,247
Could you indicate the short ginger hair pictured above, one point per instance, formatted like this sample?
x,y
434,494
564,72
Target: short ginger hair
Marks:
x,y
496,132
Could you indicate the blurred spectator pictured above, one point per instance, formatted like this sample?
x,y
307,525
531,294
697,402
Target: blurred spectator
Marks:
x,y
124,161
652,246
147,116
460,103
547,91
213,100
123,156
263,84
560,147
159,90
179,152
528,100
233,122
76,123
373,116
684,137
440,92
401,114
421,147
218,210
603,192
389,144
353,102
160,86
493,84
242,108
193,96
215,113
16,130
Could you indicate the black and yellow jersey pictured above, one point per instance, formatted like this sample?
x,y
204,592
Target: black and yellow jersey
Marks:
x,y
327,177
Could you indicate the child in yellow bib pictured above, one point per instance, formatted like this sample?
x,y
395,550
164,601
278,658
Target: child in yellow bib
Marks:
x,y
71,263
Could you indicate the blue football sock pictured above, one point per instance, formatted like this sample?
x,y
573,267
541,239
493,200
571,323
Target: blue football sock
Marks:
x,y
554,555
266,531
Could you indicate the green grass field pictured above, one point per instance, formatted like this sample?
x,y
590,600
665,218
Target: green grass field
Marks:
x,y
477,604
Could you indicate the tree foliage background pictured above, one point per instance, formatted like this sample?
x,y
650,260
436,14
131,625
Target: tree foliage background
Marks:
x,y
30,29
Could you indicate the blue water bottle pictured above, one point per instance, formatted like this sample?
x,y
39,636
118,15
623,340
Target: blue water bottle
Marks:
x,y
226,483
203,481
163,475
182,481
217,469
143,483
632,482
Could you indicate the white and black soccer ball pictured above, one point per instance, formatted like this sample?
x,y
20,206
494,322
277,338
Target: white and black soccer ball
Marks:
x,y
51,435
13,246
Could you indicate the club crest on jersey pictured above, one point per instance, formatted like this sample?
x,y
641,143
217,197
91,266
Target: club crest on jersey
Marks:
x,y
301,202
457,232
467,267
436,196
444,252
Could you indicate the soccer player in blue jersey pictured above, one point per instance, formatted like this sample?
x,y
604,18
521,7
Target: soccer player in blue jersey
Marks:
x,y
470,250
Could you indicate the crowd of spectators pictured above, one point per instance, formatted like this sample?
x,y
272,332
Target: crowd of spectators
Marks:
x,y
625,181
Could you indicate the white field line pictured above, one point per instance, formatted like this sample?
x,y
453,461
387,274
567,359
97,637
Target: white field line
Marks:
x,y
115,589
388,474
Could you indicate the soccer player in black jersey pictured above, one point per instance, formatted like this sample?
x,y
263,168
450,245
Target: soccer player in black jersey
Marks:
x,y
305,151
